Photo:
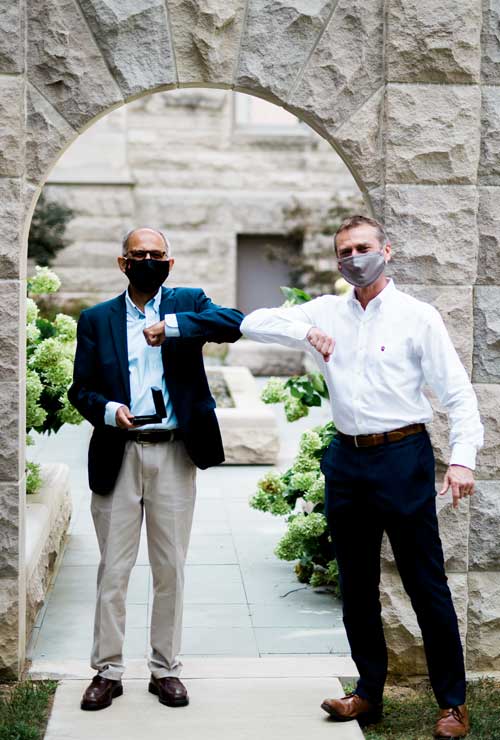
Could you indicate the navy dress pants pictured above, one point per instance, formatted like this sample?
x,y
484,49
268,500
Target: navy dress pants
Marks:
x,y
391,488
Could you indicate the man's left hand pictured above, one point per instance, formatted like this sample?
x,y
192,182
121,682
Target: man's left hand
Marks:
x,y
155,334
461,482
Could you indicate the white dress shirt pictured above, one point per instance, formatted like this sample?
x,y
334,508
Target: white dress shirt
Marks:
x,y
145,364
382,360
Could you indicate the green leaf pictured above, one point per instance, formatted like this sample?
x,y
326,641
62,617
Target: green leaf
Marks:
x,y
317,382
315,400
296,296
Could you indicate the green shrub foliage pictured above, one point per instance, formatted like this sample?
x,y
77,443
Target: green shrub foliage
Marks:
x,y
47,230
299,493
50,350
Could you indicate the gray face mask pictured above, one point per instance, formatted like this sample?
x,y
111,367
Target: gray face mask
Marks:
x,y
362,269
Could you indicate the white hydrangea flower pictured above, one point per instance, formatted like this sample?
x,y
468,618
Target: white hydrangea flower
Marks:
x,y
44,281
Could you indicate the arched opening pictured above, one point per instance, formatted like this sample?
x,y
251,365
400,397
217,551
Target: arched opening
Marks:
x,y
235,186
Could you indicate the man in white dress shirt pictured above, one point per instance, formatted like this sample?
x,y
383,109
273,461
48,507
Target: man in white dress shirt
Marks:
x,y
378,348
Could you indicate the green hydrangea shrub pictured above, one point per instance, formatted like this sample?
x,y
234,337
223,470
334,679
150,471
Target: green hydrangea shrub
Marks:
x,y
50,351
302,488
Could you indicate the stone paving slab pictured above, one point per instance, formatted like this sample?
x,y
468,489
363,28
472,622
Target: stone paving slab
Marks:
x,y
244,708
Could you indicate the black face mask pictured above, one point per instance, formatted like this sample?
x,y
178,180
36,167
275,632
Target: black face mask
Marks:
x,y
147,275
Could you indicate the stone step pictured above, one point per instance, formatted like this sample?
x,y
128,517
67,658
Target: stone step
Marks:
x,y
284,708
230,667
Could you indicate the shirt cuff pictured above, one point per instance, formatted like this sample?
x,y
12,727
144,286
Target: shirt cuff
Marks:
x,y
463,454
110,413
300,329
171,325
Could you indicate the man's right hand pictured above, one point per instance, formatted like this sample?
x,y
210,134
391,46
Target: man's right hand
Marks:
x,y
123,417
321,342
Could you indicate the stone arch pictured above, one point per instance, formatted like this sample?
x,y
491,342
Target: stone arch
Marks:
x,y
415,122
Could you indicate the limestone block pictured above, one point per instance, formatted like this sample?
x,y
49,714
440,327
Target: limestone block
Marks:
x,y
432,42
404,641
490,42
80,254
47,519
266,359
10,501
12,435
488,460
48,134
360,143
134,40
345,68
489,163
433,231
65,64
432,133
11,617
99,279
11,24
375,203
455,307
487,334
454,533
11,337
12,128
484,537
206,37
93,201
488,269
277,40
483,638
11,227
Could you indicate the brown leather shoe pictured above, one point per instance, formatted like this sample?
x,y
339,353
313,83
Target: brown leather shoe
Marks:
x,y
100,693
170,691
453,722
352,706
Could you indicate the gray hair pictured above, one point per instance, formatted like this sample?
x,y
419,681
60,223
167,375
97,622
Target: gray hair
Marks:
x,y
132,231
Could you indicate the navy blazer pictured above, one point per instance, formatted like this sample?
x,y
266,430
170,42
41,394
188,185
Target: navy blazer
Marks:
x,y
101,374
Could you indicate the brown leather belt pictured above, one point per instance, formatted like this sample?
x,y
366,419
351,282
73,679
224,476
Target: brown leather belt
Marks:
x,y
371,440
150,436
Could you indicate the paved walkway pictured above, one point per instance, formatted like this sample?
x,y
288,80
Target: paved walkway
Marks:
x,y
243,607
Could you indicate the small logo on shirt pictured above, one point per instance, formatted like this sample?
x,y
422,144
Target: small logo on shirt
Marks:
x,y
382,349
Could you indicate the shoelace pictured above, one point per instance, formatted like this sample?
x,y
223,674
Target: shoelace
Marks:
x,y
456,714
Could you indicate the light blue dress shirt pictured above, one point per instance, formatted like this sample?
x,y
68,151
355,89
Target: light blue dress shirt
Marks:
x,y
145,364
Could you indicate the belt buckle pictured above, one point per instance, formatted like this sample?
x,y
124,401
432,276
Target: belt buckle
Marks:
x,y
142,438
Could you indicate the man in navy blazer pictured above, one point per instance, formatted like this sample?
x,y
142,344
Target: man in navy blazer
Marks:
x,y
147,336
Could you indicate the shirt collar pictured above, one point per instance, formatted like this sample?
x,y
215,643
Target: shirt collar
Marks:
x,y
382,298
135,312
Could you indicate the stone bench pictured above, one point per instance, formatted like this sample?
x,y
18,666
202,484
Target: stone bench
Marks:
x,y
266,359
48,513
249,430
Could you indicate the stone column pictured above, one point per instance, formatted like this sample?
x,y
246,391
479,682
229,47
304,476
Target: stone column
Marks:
x,y
431,147
483,641
12,340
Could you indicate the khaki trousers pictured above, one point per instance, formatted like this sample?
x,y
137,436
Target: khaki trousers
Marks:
x,y
158,479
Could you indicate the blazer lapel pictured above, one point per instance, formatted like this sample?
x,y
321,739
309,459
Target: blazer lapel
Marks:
x,y
118,325
167,305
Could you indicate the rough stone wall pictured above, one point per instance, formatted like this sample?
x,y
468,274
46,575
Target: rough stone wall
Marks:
x,y
407,90
181,161
440,207
12,339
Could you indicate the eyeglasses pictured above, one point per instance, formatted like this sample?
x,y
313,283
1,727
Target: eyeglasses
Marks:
x,y
141,254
